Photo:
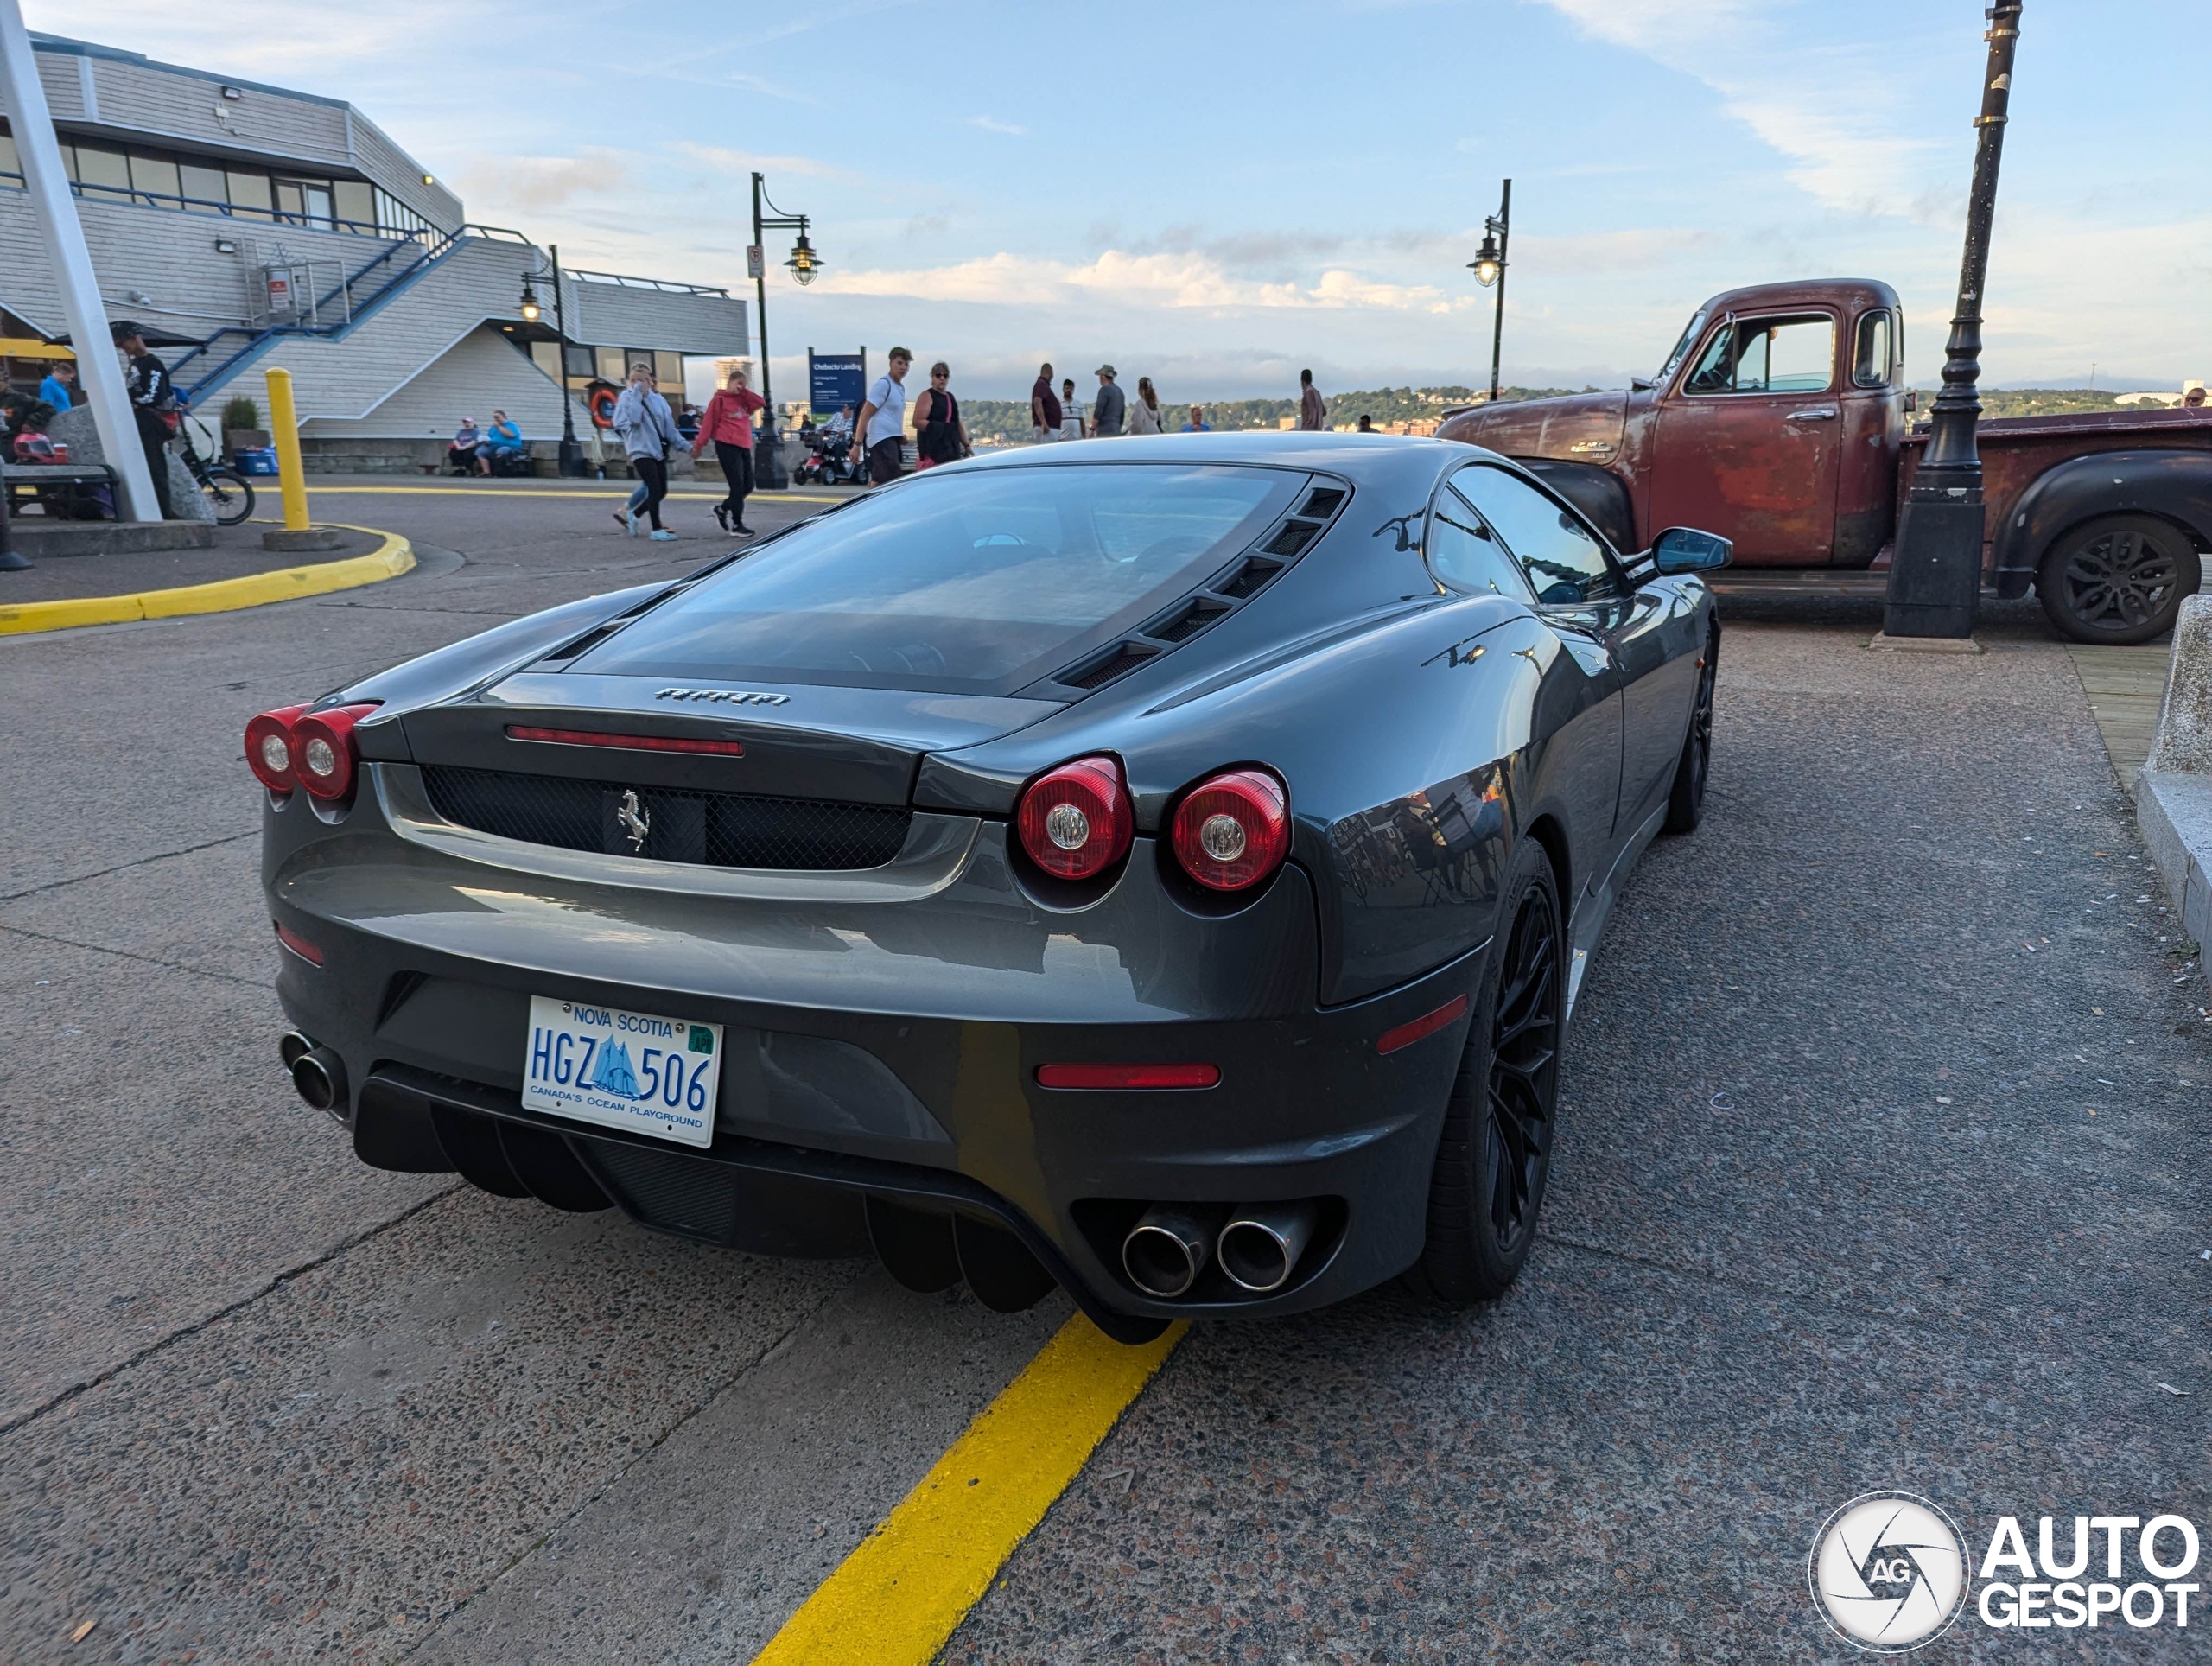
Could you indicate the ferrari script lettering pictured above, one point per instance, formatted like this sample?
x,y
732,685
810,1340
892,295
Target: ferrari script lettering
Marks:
x,y
725,697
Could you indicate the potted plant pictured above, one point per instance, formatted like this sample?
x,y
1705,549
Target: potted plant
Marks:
x,y
242,430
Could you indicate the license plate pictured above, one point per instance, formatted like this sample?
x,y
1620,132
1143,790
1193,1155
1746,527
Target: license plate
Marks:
x,y
640,1072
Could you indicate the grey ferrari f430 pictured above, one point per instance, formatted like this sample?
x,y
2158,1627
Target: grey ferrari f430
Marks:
x,y
1161,868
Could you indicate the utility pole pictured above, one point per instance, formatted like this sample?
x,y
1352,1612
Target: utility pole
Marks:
x,y
1935,574
572,455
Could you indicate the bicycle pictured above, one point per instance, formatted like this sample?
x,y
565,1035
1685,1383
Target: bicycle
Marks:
x,y
229,493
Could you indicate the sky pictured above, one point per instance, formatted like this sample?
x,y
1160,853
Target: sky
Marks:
x,y
1220,195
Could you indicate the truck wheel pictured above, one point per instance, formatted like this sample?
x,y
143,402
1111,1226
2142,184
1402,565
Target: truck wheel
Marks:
x,y
2118,580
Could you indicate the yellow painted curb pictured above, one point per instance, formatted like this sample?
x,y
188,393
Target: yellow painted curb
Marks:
x,y
898,1597
223,595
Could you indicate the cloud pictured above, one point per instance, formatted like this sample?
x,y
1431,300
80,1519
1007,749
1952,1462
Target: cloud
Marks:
x,y
539,183
1174,280
992,125
725,160
1835,110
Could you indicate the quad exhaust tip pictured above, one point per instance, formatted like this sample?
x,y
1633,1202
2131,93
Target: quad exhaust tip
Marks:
x,y
318,1073
1166,1250
1259,1248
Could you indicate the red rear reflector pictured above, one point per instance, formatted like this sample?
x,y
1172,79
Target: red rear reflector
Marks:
x,y
299,945
576,737
1427,1025
1127,1075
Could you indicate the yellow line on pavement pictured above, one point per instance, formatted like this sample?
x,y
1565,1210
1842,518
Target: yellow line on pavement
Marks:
x,y
394,557
548,492
897,1597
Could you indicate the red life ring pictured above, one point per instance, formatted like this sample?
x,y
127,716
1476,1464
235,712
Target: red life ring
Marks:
x,y
602,406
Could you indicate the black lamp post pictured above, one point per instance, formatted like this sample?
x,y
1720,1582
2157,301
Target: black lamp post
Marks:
x,y
805,264
1936,574
572,455
1488,268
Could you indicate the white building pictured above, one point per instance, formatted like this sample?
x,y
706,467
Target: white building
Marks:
x,y
248,225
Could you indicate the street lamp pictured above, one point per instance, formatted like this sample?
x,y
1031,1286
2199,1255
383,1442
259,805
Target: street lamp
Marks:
x,y
803,263
572,453
768,469
1488,268
1936,573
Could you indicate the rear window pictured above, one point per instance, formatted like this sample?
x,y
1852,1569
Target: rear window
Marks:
x,y
975,582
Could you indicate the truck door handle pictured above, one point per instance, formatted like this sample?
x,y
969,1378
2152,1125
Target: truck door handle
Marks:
x,y
1816,414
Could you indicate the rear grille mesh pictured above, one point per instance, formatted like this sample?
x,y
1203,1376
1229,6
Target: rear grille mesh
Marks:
x,y
720,829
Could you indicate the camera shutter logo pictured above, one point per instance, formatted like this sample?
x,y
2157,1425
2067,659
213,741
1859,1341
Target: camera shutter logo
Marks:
x,y
1889,1573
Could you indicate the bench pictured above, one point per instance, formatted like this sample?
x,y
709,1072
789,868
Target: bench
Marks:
x,y
18,478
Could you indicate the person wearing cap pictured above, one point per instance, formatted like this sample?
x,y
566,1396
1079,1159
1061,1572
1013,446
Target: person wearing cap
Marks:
x,y
1111,407
153,401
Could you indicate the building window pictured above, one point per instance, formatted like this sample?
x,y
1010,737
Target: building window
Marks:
x,y
249,195
203,185
103,171
155,175
9,164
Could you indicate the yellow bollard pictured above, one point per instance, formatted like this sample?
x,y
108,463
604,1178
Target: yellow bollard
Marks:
x,y
285,427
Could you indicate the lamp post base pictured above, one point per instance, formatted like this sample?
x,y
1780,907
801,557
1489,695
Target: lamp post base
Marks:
x,y
1935,576
572,460
769,474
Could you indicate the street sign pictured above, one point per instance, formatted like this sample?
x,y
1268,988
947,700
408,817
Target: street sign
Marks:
x,y
835,379
754,265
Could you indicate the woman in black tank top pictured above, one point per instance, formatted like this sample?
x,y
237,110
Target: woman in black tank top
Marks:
x,y
938,435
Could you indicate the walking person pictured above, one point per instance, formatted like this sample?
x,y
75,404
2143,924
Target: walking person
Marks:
x,y
729,425
1044,407
883,418
648,430
939,435
153,405
1110,409
1311,410
1144,415
1071,411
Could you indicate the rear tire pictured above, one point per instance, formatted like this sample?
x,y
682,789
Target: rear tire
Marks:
x,y
229,495
2118,580
1686,801
1495,1155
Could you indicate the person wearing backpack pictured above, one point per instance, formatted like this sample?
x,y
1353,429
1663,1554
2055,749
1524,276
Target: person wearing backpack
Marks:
x,y
939,435
153,405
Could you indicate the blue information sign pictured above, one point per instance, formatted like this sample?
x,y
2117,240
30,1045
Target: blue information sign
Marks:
x,y
834,379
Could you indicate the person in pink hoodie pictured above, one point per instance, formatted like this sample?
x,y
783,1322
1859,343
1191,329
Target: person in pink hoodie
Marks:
x,y
729,425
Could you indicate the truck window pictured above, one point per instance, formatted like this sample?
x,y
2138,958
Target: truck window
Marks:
x,y
1767,355
1566,560
1870,359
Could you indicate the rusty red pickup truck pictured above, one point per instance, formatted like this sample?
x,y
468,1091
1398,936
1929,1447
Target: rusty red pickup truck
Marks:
x,y
1781,421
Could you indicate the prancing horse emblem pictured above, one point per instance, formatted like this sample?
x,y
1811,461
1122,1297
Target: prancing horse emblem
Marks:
x,y
636,821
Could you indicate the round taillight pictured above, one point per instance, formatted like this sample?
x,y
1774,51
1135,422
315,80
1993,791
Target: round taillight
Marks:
x,y
323,753
1077,821
269,752
1232,830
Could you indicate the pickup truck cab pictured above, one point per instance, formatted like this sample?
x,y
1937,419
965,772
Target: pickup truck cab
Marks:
x,y
1780,420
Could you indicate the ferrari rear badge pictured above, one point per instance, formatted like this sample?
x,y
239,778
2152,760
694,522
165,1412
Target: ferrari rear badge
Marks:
x,y
725,697
636,821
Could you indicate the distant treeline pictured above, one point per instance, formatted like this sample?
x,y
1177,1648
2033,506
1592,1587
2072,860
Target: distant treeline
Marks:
x,y
1007,419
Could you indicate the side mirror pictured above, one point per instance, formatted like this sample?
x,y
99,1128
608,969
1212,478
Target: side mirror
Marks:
x,y
1685,549
1911,401
1638,384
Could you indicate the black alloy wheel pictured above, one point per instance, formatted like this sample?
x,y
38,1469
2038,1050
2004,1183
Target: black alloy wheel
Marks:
x,y
1686,801
2118,579
229,495
1495,1155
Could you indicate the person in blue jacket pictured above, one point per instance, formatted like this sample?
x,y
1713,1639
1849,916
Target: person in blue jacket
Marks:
x,y
502,439
59,390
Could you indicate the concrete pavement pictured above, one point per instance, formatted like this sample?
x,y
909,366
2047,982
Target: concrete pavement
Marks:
x,y
1831,1213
